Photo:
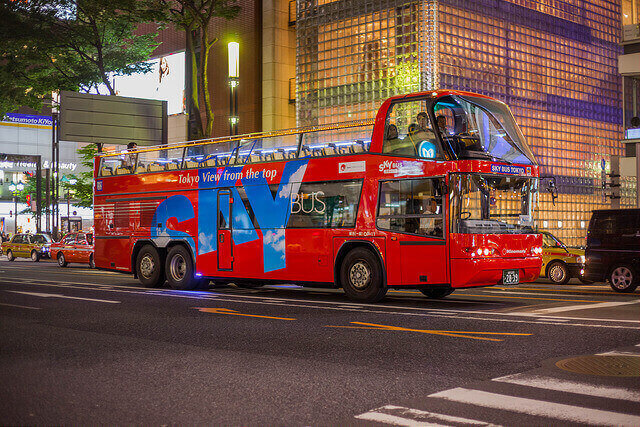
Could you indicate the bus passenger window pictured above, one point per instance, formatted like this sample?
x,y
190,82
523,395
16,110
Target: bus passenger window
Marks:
x,y
412,206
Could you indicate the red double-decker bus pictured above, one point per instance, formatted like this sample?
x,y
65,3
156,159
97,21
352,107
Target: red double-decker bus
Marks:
x,y
436,194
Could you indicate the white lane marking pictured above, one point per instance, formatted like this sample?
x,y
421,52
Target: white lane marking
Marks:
x,y
619,353
401,416
548,383
583,307
20,306
540,408
43,295
524,293
491,316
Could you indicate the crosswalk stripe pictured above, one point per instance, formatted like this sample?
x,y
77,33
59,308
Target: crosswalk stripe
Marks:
x,y
548,383
401,416
583,307
538,407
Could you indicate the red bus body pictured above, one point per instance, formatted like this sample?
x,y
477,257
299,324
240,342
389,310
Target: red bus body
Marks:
x,y
254,220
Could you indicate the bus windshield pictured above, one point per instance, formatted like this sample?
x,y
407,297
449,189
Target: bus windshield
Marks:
x,y
490,204
481,128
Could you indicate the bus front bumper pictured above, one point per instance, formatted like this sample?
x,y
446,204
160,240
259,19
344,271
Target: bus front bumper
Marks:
x,y
471,272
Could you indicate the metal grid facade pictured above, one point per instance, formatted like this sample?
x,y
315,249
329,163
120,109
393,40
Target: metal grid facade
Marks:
x,y
554,62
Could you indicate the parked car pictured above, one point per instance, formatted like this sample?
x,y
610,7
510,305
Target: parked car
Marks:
x,y
560,263
34,246
613,248
74,247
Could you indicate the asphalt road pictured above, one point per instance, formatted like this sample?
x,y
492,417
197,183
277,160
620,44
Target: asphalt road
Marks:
x,y
81,346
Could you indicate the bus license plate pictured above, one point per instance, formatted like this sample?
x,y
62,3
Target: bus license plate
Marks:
x,y
510,277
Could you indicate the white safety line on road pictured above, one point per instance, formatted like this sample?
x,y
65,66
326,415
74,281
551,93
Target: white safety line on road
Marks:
x,y
20,306
548,383
619,353
43,295
540,408
492,316
401,416
583,307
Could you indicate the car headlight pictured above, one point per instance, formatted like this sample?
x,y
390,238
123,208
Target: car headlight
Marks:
x,y
581,259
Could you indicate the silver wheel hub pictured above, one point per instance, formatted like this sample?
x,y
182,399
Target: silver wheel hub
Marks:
x,y
147,266
34,255
178,267
360,275
621,277
556,273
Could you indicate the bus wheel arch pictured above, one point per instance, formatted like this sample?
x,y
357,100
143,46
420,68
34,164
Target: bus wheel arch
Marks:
x,y
360,272
350,245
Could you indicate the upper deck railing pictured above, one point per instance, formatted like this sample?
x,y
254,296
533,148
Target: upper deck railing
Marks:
x,y
312,141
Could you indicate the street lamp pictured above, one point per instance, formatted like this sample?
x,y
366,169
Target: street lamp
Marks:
x,y
15,189
234,81
71,182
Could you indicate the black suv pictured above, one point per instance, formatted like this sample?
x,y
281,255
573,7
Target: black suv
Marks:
x,y
613,248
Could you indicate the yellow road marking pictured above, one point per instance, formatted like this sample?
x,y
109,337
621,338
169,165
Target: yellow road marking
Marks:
x,y
235,313
457,334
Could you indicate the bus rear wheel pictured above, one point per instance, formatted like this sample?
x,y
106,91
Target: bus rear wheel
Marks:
x,y
149,267
179,269
361,276
436,293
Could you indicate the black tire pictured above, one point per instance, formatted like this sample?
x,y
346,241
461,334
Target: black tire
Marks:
x,y
437,293
179,269
10,256
62,262
623,278
558,273
35,256
149,267
361,276
92,263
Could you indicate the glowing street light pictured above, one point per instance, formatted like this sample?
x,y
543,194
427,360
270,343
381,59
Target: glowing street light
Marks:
x,y
234,81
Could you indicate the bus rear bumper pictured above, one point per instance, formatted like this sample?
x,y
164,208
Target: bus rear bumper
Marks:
x,y
471,272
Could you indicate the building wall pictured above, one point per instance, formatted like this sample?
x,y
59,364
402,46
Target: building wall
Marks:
x,y
278,65
246,29
553,62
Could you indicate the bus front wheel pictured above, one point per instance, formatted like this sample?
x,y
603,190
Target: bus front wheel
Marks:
x,y
149,267
361,276
179,269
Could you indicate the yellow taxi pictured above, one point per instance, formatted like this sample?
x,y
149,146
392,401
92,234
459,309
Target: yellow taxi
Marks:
x,y
560,263
34,246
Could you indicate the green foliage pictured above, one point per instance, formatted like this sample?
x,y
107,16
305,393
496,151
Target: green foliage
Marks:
x,y
82,190
79,187
194,17
52,45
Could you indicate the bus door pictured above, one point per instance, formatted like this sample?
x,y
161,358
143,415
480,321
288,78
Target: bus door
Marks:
x,y
415,210
225,242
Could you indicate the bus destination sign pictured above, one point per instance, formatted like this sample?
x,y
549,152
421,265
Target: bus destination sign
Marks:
x,y
511,170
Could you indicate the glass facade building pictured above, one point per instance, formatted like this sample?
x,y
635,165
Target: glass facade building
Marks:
x,y
554,62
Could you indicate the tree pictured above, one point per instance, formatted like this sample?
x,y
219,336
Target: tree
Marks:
x,y
194,18
51,45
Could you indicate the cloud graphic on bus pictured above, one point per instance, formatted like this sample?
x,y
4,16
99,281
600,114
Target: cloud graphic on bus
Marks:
x,y
178,207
